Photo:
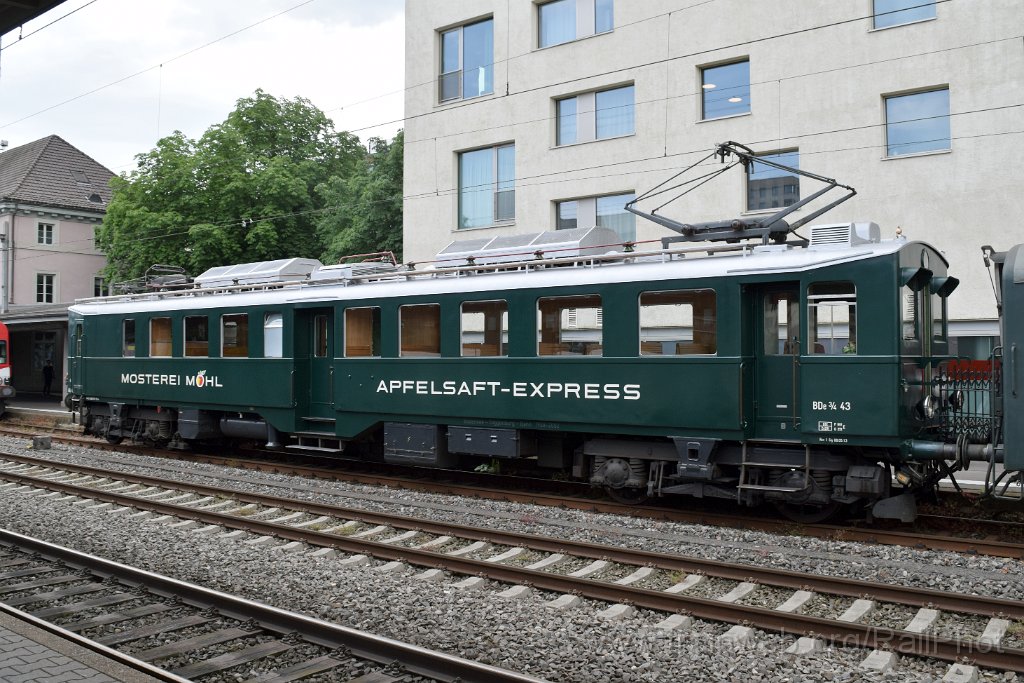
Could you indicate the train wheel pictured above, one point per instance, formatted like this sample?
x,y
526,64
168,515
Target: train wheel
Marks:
x,y
627,496
810,514
114,440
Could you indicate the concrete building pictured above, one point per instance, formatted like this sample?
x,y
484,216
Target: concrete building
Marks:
x,y
52,198
524,116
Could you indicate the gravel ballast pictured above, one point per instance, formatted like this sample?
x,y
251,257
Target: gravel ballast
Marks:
x,y
523,635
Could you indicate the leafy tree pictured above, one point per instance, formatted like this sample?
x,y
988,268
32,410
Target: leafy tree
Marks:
x,y
244,191
366,207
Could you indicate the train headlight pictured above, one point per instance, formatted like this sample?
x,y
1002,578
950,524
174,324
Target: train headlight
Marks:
x,y
6,391
927,407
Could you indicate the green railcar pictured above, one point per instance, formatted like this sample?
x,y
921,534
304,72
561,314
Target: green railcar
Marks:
x,y
803,375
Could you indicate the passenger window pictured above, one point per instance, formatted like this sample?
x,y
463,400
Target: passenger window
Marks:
x,y
678,323
234,335
484,328
362,332
197,336
420,330
570,326
128,339
273,335
782,323
160,337
320,330
832,318
3,347
939,322
909,307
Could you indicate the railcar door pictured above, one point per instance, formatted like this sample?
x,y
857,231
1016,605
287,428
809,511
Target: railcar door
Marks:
x,y
75,359
777,361
317,325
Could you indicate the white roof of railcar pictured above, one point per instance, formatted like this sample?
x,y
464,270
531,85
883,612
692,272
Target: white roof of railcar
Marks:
x,y
624,268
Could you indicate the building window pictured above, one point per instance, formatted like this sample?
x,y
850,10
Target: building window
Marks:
x,y
564,20
128,339
569,326
160,337
832,318
678,323
197,336
234,335
896,12
420,330
44,233
484,328
46,285
917,123
773,188
273,335
99,286
725,90
362,332
487,186
467,61
604,212
595,115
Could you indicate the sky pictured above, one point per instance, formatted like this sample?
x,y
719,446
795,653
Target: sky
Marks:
x,y
345,56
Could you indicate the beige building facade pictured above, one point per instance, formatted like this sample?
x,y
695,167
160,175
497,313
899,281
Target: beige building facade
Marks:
x,y
526,116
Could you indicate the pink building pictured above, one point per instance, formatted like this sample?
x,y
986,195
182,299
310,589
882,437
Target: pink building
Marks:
x,y
52,198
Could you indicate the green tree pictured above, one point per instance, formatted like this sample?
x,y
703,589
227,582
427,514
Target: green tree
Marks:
x,y
244,191
365,213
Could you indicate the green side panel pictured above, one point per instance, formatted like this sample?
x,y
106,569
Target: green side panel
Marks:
x,y
844,397
628,396
224,384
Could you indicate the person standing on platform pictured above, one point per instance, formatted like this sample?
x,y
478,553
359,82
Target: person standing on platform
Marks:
x,y
47,378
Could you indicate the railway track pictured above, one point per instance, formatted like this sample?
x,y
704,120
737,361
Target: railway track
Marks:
x,y
194,633
978,536
681,587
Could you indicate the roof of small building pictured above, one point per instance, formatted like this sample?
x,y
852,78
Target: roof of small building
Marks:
x,y
52,172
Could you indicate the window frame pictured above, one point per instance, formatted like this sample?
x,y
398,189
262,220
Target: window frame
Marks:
x,y
46,233
582,11
813,322
495,190
375,332
99,286
273,320
887,145
558,348
503,332
163,339
189,353
124,338
914,4
587,212
779,157
402,353
586,115
706,87
460,72
236,350
46,288
682,347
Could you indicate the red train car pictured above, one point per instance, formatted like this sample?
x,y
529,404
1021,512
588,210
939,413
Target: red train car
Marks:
x,y
6,386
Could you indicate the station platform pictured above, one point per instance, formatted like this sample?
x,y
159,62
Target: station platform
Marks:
x,y
33,652
51,410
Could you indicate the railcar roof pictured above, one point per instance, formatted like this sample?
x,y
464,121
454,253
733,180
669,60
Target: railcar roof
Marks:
x,y
639,267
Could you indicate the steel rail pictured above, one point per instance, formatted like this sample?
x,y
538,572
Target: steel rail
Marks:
x,y
144,668
418,660
841,633
991,547
918,597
